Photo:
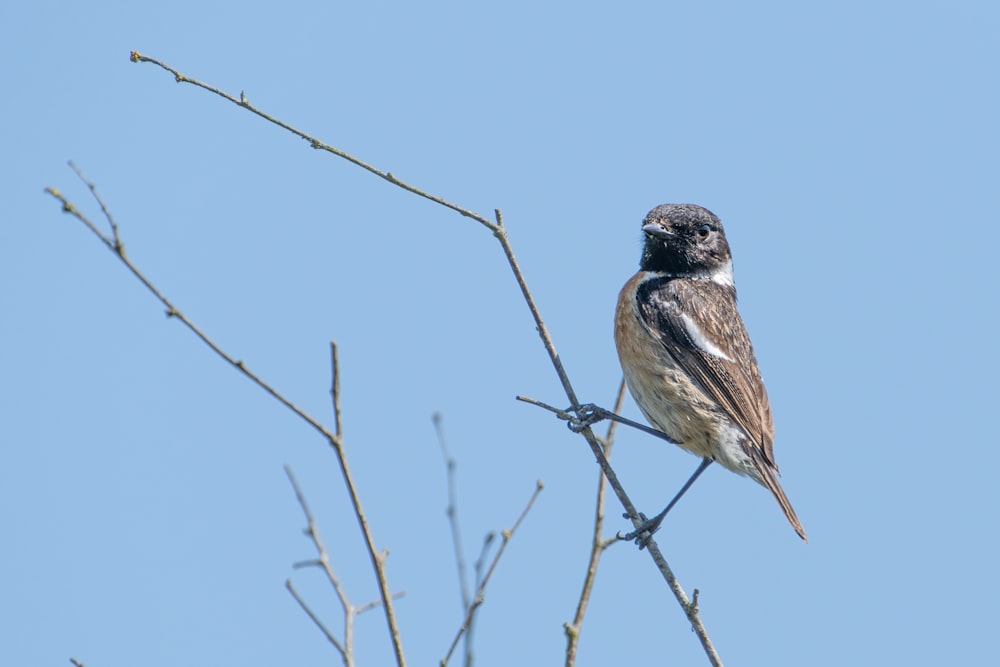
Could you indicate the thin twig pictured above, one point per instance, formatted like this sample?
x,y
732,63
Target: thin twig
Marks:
x,y
691,609
589,414
499,231
346,648
375,604
377,558
451,512
116,241
76,662
456,538
558,412
313,533
315,619
481,591
597,546
484,551
335,388
137,57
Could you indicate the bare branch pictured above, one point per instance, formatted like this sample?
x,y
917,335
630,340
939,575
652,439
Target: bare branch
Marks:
x,y
481,591
559,412
115,240
484,551
499,231
335,388
451,512
350,611
137,57
375,604
319,624
597,547
377,558
691,609
313,533
456,538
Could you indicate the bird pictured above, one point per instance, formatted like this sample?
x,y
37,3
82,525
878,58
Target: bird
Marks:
x,y
687,357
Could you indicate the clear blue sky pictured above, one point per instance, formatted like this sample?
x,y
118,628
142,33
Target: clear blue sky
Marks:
x,y
851,150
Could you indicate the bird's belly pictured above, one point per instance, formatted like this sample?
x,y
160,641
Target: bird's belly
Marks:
x,y
673,403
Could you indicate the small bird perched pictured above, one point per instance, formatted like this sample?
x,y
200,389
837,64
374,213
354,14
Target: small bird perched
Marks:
x,y
686,355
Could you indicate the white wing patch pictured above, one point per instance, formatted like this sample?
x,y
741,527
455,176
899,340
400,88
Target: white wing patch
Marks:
x,y
700,340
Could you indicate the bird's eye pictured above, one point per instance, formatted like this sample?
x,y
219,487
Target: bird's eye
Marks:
x,y
704,231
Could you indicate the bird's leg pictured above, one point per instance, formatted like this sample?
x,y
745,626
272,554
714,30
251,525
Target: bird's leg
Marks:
x,y
645,531
589,414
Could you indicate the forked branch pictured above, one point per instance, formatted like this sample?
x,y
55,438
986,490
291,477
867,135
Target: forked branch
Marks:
x,y
500,233
351,611
114,244
481,590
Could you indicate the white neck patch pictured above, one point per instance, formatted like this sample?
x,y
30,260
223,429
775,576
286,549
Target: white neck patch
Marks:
x,y
720,276
723,275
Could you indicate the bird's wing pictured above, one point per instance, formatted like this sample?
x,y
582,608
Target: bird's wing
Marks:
x,y
700,327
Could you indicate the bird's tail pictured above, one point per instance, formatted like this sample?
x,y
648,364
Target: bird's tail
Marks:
x,y
769,476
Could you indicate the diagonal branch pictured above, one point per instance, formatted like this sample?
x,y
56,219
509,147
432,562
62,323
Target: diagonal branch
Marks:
x,y
598,545
481,591
137,57
341,649
113,243
312,531
346,649
500,233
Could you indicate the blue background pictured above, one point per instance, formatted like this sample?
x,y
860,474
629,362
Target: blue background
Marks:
x,y
850,148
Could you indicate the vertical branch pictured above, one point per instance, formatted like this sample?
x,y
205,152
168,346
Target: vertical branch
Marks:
x,y
335,388
451,512
481,590
346,647
377,558
597,546
499,231
114,244
456,538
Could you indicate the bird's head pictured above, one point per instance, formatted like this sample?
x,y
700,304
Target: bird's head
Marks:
x,y
686,240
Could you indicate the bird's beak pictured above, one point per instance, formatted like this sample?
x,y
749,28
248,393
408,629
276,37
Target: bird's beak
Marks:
x,y
657,231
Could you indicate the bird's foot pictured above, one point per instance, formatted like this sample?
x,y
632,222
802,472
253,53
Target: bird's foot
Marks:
x,y
643,533
587,415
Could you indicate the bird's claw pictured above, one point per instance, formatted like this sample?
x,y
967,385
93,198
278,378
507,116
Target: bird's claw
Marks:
x,y
643,533
587,415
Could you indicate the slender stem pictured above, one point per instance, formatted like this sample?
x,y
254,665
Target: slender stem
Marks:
x,y
499,231
452,512
335,388
377,559
597,545
319,624
690,608
137,57
313,532
456,537
480,592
